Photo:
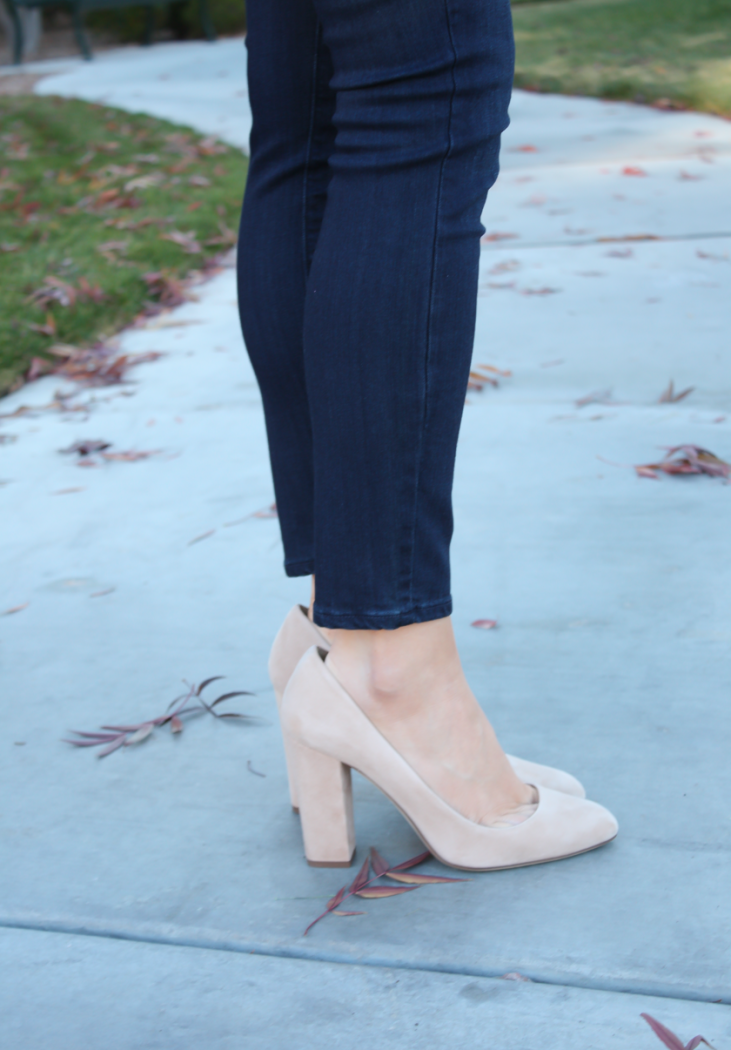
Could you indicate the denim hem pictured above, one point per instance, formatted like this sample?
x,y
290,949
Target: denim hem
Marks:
x,y
300,568
386,621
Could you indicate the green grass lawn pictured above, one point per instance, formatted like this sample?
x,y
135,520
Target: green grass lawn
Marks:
x,y
675,52
91,200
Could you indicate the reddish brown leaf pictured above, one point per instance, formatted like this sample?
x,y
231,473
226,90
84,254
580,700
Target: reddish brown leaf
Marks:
x,y
489,238
266,512
131,456
378,863
374,892
421,880
207,682
86,448
669,396
362,878
412,862
16,609
176,725
111,747
486,625
631,169
664,1034
142,733
203,536
334,901
524,149
687,459
186,241
505,372
596,397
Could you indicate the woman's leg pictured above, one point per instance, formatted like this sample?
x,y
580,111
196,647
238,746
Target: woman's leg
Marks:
x,y
422,92
422,88
289,72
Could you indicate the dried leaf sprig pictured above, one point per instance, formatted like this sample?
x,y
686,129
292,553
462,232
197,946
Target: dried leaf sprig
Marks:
x,y
478,380
686,459
113,737
670,1039
362,885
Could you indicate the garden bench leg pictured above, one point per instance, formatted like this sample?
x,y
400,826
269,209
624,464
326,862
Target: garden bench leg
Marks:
x,y
206,23
18,40
80,32
149,25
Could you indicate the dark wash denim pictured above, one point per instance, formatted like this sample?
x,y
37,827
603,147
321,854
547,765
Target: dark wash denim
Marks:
x,y
375,139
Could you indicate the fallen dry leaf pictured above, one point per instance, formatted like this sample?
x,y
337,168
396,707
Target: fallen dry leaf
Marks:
x,y
140,734
16,609
669,396
523,149
203,536
114,737
362,885
375,892
130,456
170,291
349,912
629,237
631,169
186,241
686,459
265,512
597,397
144,182
53,290
669,1038
490,238
48,328
86,447
99,365
226,238
486,625
515,976
539,291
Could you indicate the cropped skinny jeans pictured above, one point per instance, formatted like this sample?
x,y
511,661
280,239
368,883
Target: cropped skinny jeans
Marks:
x,y
376,135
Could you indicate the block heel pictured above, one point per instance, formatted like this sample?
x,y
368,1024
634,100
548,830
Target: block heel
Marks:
x,y
325,795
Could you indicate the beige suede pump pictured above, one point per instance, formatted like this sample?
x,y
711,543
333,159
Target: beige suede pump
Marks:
x,y
295,637
327,735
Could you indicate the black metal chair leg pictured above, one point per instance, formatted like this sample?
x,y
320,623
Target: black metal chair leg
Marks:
x,y
18,40
149,25
206,23
79,32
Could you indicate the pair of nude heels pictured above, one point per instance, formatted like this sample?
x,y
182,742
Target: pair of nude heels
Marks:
x,y
326,734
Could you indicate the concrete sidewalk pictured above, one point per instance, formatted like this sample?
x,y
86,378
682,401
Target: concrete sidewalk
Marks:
x,y
158,898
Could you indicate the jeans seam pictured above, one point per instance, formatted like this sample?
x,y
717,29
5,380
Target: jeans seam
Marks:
x,y
427,356
308,155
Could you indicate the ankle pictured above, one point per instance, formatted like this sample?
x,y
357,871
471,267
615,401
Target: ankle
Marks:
x,y
389,665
